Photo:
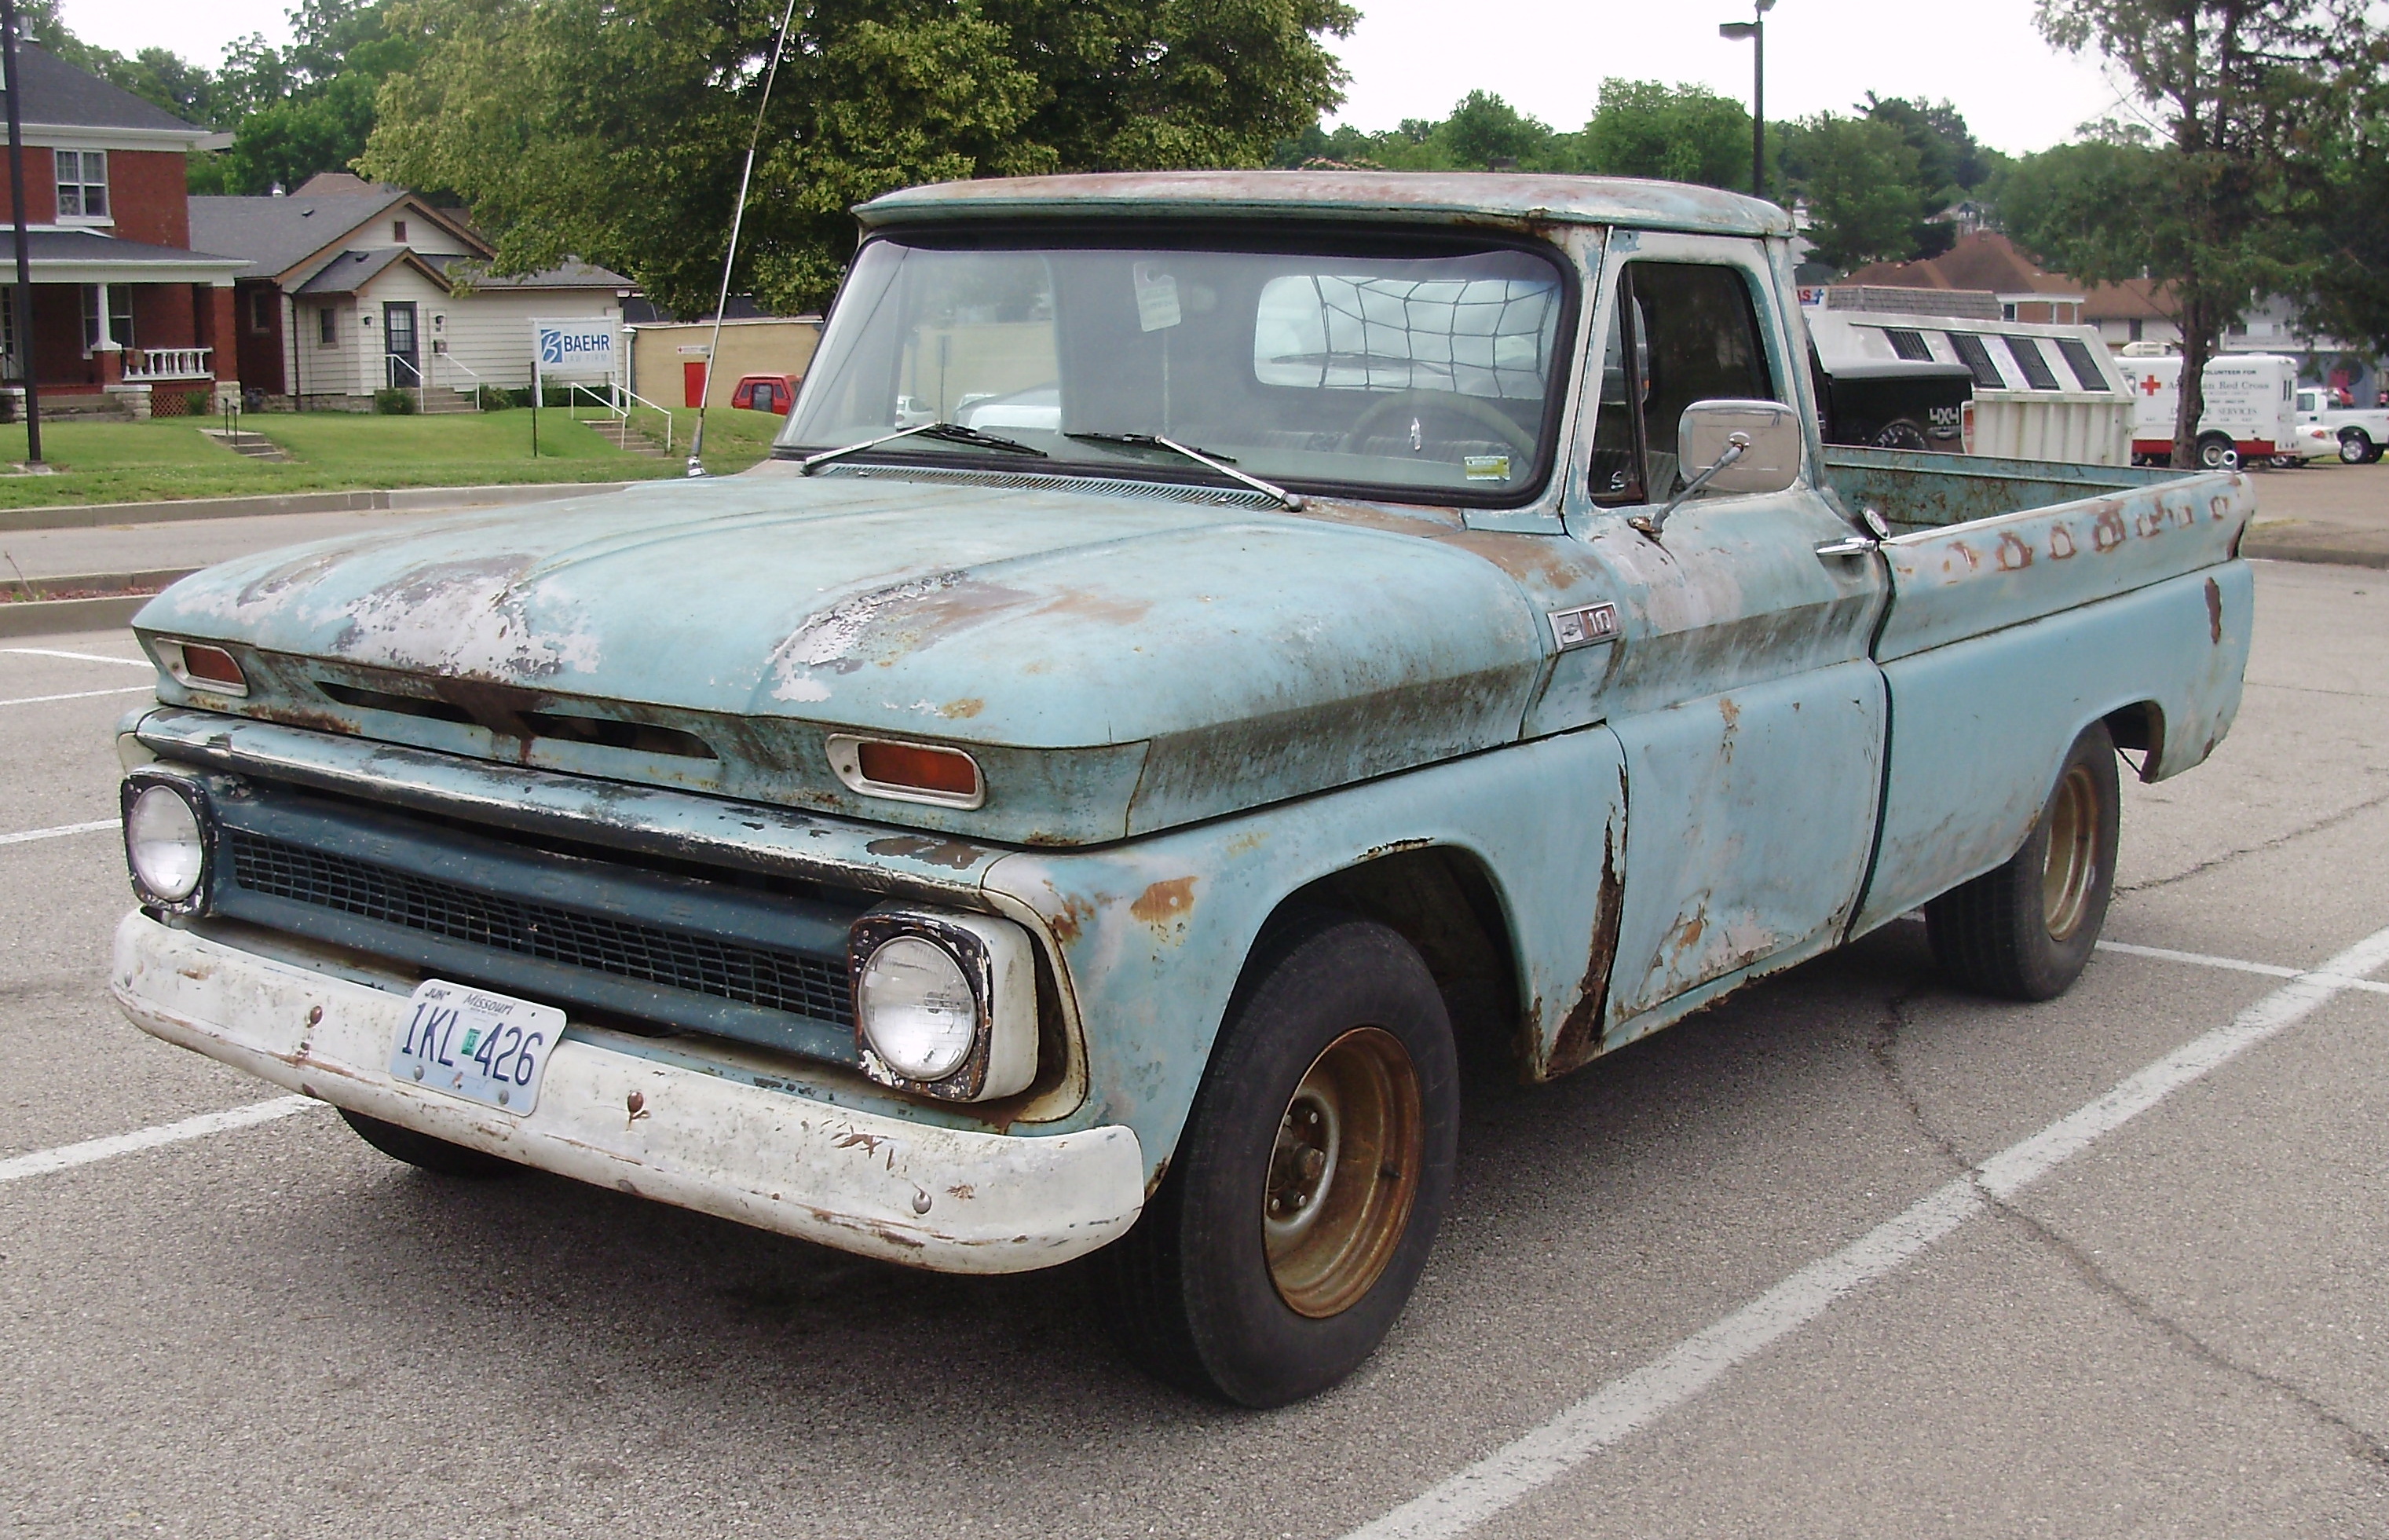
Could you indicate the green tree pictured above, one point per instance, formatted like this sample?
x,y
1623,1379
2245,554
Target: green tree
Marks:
x,y
2247,94
1676,132
1860,180
613,130
309,108
2348,292
1484,131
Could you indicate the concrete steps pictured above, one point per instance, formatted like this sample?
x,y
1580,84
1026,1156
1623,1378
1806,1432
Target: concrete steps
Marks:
x,y
255,446
622,435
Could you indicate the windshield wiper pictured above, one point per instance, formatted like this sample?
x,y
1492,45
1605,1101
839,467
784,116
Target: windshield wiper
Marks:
x,y
953,433
1221,463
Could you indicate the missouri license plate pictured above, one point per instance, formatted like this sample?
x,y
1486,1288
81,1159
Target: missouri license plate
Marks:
x,y
470,1043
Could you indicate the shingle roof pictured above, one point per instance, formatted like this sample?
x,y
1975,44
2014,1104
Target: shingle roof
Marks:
x,y
91,247
59,95
275,233
351,271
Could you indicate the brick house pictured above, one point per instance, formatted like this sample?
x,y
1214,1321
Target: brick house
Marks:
x,y
124,312
1986,260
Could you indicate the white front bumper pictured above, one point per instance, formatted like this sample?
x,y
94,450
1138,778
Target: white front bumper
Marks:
x,y
947,1199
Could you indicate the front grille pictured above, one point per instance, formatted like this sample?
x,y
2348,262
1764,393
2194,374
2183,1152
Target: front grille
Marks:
x,y
802,986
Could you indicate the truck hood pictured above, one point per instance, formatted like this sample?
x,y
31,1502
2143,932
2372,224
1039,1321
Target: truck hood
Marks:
x,y
1118,659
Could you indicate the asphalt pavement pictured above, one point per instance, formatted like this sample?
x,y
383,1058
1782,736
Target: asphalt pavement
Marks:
x,y
1851,1254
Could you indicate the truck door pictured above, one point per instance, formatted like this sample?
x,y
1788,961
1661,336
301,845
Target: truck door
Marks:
x,y
1751,716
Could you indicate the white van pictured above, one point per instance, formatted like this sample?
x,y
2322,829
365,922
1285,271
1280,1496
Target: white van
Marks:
x,y
2251,410
2041,391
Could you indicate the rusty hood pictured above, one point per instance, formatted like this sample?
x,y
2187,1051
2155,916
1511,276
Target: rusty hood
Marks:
x,y
1118,661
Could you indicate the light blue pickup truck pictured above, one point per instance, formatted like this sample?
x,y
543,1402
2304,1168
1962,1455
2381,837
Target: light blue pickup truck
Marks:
x,y
1195,632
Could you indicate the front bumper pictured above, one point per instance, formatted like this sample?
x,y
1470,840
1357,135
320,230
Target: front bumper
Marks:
x,y
951,1200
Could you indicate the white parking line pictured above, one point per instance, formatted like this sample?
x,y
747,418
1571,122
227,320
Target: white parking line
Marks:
x,y
2270,969
30,834
1544,1454
42,1161
80,694
80,658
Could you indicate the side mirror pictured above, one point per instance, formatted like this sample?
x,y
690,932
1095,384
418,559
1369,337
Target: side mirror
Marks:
x,y
1770,464
1737,447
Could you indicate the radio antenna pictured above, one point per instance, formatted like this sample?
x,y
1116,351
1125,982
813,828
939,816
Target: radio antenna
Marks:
x,y
737,216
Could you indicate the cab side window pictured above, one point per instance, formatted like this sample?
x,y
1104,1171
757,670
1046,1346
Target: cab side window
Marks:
x,y
1679,333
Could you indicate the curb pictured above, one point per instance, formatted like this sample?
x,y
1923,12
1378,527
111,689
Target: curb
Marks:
x,y
2333,555
56,617
87,516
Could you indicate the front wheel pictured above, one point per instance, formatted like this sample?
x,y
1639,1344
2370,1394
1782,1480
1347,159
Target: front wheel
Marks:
x,y
2355,449
2025,930
1306,1193
2216,452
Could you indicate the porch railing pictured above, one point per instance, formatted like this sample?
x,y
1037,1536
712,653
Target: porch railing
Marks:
x,y
620,402
142,365
443,367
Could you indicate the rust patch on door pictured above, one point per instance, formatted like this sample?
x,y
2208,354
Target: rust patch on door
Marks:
x,y
2214,612
2015,555
1579,1036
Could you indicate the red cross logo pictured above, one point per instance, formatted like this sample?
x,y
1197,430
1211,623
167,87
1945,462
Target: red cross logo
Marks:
x,y
2149,385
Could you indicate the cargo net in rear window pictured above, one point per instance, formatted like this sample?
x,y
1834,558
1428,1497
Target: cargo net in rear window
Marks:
x,y
1473,337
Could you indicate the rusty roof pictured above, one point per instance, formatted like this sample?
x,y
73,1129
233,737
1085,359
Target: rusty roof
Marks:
x,y
1439,197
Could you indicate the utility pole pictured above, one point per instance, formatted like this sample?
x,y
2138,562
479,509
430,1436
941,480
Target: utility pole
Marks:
x,y
1756,31
24,300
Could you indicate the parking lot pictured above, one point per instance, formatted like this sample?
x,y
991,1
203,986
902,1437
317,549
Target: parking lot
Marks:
x,y
1851,1254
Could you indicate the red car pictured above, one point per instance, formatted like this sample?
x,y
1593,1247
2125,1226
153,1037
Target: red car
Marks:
x,y
774,393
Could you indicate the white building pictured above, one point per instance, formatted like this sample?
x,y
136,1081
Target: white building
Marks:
x,y
357,288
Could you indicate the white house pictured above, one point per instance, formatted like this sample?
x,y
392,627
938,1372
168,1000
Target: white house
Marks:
x,y
356,287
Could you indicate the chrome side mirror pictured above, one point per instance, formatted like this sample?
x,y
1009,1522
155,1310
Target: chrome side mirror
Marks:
x,y
1740,446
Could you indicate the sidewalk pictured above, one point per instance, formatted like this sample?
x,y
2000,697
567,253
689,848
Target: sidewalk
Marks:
x,y
2326,512
157,544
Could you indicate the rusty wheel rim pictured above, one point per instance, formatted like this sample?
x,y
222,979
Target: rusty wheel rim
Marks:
x,y
2072,869
1344,1172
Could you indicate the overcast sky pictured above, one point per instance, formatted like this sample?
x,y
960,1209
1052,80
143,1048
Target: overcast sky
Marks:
x,y
1414,59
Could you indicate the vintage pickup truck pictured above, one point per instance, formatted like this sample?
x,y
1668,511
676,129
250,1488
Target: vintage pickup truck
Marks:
x,y
1195,632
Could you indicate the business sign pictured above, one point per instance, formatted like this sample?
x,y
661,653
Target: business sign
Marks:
x,y
582,348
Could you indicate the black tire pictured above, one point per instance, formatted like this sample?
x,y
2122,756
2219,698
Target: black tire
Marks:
x,y
2217,451
1900,434
435,1155
2025,930
2355,449
1211,1292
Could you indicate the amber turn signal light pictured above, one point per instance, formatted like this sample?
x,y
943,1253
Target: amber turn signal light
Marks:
x,y
907,773
203,668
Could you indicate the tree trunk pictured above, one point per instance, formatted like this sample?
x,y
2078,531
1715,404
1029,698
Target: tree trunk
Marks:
x,y
2198,329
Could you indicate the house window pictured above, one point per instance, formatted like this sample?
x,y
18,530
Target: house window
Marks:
x,y
326,320
2135,331
83,183
261,306
120,316
398,230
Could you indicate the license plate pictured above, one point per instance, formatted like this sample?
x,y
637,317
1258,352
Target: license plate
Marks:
x,y
467,1042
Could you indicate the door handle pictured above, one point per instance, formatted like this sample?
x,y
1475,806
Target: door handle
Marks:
x,y
1855,545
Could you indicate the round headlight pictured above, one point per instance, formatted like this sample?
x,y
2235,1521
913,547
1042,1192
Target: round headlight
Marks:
x,y
918,1009
161,839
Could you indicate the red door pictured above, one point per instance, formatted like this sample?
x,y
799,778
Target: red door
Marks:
x,y
692,382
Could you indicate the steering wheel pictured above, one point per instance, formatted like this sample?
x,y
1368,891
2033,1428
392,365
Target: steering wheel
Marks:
x,y
1470,407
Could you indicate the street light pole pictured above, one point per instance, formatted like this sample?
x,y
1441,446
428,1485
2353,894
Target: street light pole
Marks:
x,y
1756,31
24,300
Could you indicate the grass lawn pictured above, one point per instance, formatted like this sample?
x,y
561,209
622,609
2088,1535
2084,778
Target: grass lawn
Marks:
x,y
332,450
733,440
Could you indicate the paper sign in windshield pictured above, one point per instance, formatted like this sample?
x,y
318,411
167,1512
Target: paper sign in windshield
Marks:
x,y
1156,297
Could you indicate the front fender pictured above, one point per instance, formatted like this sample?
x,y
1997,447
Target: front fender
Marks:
x,y
1153,934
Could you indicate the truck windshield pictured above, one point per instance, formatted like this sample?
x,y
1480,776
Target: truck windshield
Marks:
x,y
1402,371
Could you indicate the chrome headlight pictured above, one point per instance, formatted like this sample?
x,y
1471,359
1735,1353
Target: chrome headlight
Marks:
x,y
945,1003
166,843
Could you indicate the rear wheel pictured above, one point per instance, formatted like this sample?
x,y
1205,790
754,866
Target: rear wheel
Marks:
x,y
2025,930
2355,449
2216,452
436,1155
1902,434
1306,1193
